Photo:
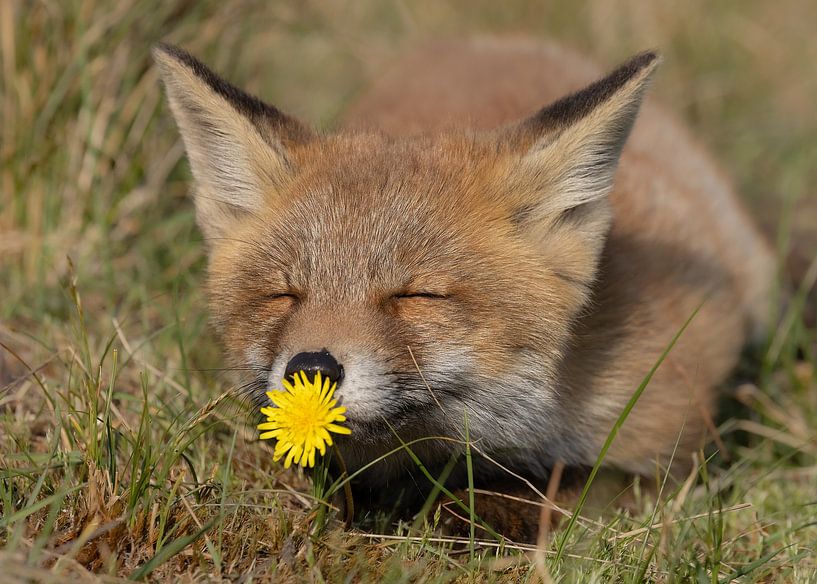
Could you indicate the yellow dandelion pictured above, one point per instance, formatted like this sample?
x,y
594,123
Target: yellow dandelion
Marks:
x,y
302,418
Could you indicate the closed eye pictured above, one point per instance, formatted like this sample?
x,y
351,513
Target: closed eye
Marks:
x,y
429,295
281,295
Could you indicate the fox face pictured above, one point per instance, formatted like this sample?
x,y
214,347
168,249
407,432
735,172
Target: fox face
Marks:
x,y
423,307
435,278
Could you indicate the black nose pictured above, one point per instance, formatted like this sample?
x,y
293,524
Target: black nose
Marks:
x,y
319,362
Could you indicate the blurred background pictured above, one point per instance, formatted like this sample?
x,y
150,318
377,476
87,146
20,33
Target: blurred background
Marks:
x,y
100,256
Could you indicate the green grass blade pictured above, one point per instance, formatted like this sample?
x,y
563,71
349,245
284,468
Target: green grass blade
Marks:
x,y
469,467
457,501
611,436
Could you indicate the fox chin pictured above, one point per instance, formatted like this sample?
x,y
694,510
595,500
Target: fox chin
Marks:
x,y
461,260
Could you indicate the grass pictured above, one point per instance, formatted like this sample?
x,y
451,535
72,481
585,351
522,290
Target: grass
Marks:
x,y
121,457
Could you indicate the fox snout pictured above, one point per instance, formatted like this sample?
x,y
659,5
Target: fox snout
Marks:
x,y
363,380
313,363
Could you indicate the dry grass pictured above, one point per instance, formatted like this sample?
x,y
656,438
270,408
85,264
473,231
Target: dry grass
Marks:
x,y
118,458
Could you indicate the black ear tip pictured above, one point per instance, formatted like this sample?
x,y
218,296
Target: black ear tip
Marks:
x,y
648,56
162,50
651,58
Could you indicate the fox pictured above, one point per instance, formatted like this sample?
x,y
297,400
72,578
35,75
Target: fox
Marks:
x,y
499,240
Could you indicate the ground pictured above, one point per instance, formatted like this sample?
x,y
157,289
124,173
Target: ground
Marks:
x,y
120,457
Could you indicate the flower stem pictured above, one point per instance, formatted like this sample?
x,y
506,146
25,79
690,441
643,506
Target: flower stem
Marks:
x,y
349,507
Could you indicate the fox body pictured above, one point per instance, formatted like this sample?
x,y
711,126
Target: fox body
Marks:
x,y
468,258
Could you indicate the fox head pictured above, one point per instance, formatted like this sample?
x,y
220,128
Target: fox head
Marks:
x,y
434,277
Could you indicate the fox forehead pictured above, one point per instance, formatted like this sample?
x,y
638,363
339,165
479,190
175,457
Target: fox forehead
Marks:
x,y
430,173
384,212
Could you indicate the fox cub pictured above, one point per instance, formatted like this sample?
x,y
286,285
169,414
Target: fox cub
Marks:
x,y
457,255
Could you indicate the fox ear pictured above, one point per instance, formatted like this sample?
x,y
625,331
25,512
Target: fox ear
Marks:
x,y
570,153
237,145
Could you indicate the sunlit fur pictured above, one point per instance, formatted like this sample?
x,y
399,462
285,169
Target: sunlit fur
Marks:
x,y
459,252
